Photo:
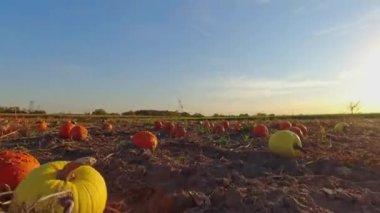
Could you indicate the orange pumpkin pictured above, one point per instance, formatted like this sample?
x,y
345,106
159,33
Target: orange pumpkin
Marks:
x,y
158,125
42,126
206,125
283,125
236,127
260,130
179,132
219,129
302,127
297,130
64,132
225,124
78,133
145,140
15,166
168,127
107,127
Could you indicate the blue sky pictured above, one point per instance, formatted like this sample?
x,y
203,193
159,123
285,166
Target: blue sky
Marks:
x,y
217,56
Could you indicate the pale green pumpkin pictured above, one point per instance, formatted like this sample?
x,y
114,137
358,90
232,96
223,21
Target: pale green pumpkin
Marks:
x,y
285,143
87,188
340,127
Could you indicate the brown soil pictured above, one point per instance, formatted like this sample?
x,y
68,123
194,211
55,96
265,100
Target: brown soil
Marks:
x,y
203,173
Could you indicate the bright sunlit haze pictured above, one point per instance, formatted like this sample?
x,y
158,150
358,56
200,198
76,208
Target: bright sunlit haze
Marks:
x,y
227,57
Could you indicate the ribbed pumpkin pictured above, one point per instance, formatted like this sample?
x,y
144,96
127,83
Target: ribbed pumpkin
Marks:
x,y
302,127
78,133
15,166
65,129
296,130
145,140
88,191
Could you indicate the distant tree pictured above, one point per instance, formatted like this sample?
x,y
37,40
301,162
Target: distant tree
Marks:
x,y
244,115
128,113
198,115
43,112
354,107
185,114
12,109
261,114
99,112
271,116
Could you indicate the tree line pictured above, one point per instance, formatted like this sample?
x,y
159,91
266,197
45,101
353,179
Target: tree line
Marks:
x,y
16,109
145,113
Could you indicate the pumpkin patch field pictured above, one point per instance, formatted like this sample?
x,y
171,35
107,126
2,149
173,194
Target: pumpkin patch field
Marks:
x,y
181,165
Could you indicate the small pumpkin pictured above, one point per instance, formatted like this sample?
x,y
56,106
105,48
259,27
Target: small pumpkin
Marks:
x,y
341,127
302,127
206,125
283,125
145,140
78,133
225,124
219,129
15,166
64,131
87,191
236,127
297,130
168,127
107,127
261,130
179,132
42,126
158,125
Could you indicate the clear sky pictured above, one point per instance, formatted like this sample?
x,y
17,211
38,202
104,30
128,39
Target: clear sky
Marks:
x,y
217,56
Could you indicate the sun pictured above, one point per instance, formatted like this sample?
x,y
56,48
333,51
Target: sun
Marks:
x,y
366,80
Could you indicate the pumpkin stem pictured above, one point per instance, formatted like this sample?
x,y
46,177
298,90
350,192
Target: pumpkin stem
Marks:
x,y
57,194
297,147
67,203
66,173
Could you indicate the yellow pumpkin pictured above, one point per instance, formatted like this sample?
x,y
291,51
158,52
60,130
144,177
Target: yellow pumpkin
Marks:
x,y
86,188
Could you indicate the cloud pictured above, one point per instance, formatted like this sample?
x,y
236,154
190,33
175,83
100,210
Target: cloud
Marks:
x,y
247,89
370,20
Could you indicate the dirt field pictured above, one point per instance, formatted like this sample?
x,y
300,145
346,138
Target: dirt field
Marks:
x,y
203,173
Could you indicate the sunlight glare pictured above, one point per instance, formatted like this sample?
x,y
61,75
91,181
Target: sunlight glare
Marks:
x,y
366,82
